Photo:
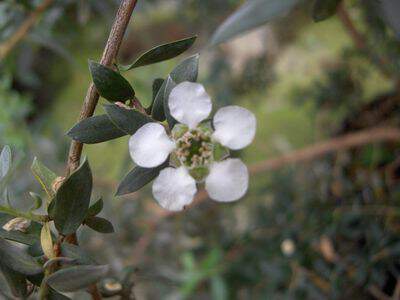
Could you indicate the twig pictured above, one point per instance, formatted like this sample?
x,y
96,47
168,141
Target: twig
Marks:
x,y
109,54
8,45
346,142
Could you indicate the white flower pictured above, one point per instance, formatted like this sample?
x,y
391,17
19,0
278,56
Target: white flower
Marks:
x,y
195,149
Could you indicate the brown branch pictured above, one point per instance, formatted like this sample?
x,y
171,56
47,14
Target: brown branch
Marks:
x,y
22,31
342,143
109,54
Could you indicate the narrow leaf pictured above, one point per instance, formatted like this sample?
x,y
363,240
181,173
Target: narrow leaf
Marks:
x,y
324,9
187,70
128,120
138,178
110,84
157,83
20,237
250,15
96,208
168,88
76,278
162,53
5,161
72,200
45,177
96,129
16,281
46,241
77,253
99,224
16,259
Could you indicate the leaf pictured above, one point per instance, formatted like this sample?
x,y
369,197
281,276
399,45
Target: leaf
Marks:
x,y
5,161
45,177
46,241
38,201
53,295
157,83
16,281
110,84
77,253
324,9
96,129
391,10
250,15
168,88
128,120
16,259
95,209
138,178
72,200
75,278
162,53
187,70
99,224
20,237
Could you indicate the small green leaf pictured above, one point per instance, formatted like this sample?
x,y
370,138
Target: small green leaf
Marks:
x,y
96,129
16,281
168,88
5,161
38,201
77,253
72,200
46,241
18,236
45,177
250,15
110,84
95,209
99,224
162,53
324,9
128,120
187,70
75,278
16,259
138,178
157,83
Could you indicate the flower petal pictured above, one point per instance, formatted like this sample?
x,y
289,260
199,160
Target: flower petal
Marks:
x,y
189,103
228,180
174,188
150,145
235,127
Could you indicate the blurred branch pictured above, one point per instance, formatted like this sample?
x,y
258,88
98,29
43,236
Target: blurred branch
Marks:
x,y
342,143
22,31
109,54
360,40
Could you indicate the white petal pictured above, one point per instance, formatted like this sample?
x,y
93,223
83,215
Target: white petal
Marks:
x,y
235,127
174,188
228,180
150,145
189,103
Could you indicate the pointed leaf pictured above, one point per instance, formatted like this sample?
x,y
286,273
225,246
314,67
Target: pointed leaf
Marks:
x,y
250,15
95,209
5,161
110,84
45,176
77,253
99,224
168,88
16,259
96,129
157,83
16,281
46,241
76,278
138,178
72,200
162,53
187,70
324,9
128,120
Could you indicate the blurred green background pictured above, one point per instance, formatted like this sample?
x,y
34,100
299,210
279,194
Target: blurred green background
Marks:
x,y
325,229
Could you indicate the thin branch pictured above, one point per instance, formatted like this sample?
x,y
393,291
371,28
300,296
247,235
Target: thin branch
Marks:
x,y
316,151
109,54
22,31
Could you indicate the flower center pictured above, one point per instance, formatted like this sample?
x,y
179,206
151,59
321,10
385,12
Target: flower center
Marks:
x,y
194,148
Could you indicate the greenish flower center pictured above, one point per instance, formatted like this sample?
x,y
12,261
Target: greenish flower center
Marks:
x,y
195,148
